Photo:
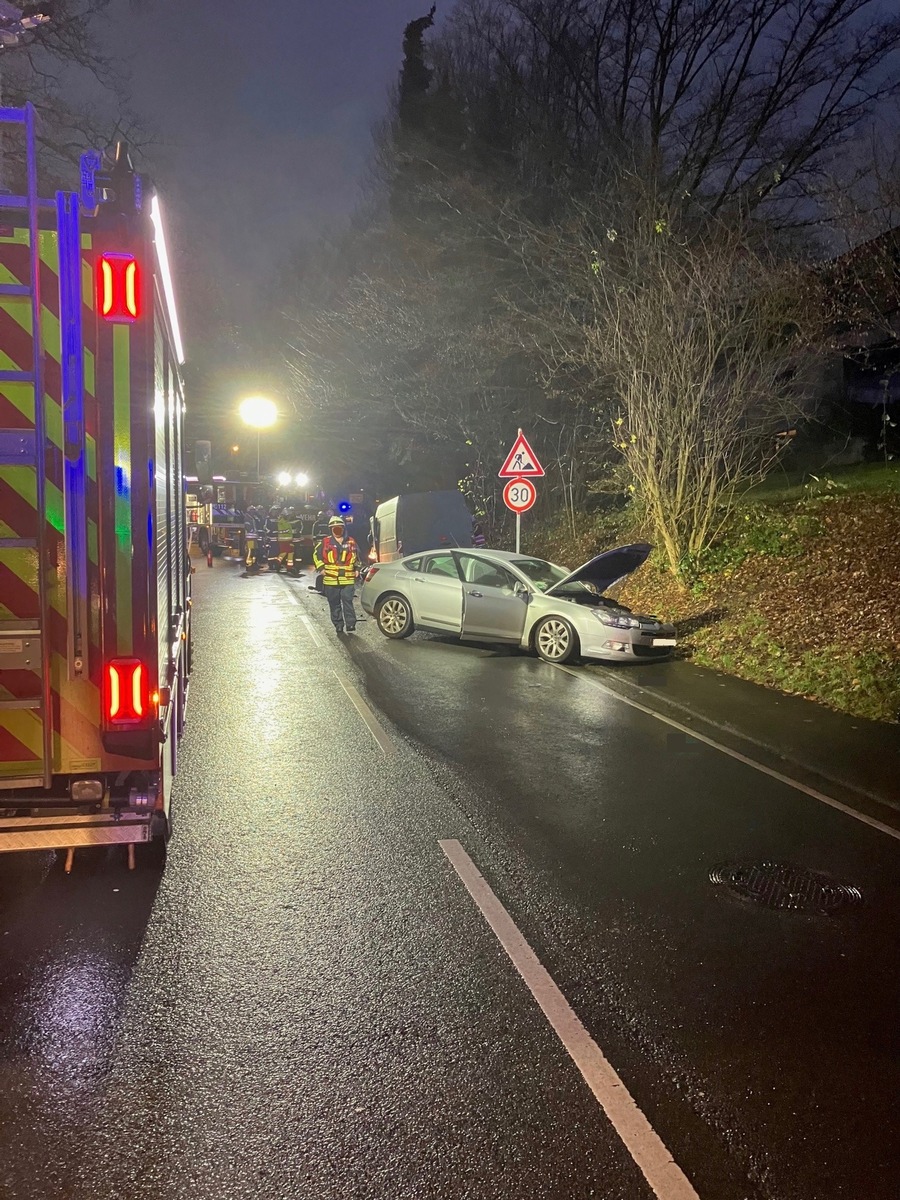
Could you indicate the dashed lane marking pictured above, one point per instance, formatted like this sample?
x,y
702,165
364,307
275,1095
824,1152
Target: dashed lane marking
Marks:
x,y
741,758
665,1177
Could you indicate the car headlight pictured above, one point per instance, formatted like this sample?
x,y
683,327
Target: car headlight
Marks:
x,y
617,622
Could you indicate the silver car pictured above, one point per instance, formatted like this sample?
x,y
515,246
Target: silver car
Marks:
x,y
495,596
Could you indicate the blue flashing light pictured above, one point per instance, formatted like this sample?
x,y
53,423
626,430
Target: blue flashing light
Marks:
x,y
345,506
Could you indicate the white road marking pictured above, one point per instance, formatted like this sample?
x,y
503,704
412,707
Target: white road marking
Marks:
x,y
378,732
310,627
735,754
318,641
665,1177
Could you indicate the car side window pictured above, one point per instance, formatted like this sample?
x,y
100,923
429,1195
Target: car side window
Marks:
x,y
413,564
441,564
486,574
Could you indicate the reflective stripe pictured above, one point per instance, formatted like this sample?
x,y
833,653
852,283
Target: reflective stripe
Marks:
x,y
338,564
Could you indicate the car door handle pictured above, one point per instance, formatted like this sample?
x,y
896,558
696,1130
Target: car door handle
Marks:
x,y
476,593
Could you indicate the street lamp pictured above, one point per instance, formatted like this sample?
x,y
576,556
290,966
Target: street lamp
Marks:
x,y
259,413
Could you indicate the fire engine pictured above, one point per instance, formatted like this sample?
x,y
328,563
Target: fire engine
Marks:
x,y
216,514
95,629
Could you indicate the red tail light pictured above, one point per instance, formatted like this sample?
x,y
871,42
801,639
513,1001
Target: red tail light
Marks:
x,y
370,573
126,698
118,287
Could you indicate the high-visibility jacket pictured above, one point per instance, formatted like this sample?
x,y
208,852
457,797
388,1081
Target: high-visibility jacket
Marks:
x,y
338,561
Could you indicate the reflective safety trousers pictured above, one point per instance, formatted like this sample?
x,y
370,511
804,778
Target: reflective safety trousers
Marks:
x,y
338,562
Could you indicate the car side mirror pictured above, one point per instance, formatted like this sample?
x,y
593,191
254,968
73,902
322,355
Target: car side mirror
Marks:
x,y
522,590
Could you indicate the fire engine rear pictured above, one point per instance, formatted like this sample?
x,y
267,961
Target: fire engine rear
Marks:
x,y
95,632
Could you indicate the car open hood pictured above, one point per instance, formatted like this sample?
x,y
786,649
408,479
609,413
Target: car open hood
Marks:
x,y
607,568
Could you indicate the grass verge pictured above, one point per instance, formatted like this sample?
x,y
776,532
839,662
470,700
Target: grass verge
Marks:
x,y
800,594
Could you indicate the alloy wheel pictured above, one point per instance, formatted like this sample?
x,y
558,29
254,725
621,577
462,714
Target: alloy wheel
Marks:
x,y
393,616
554,639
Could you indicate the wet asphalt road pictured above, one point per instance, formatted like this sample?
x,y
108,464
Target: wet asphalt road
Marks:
x,y
306,1002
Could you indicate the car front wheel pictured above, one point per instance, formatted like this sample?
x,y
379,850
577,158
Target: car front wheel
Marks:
x,y
555,640
394,617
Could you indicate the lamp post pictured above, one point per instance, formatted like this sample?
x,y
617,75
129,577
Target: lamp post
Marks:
x,y
259,413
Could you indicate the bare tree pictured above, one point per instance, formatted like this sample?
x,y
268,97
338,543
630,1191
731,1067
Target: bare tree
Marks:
x,y
578,201
50,66
721,101
698,338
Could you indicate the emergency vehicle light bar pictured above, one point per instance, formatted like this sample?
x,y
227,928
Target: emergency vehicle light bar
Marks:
x,y
118,287
126,700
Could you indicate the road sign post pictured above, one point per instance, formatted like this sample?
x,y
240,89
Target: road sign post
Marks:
x,y
518,496
521,466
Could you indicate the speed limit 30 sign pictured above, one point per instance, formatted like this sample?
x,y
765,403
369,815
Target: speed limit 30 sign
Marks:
x,y
519,495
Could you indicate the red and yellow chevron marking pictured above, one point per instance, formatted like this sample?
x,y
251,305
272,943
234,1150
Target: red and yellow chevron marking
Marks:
x,y
108,363
75,712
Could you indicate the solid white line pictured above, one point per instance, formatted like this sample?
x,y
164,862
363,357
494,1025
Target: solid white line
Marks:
x,y
735,754
665,1177
378,732
310,627
382,739
317,638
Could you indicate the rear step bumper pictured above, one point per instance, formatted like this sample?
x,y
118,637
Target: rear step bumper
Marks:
x,y
68,830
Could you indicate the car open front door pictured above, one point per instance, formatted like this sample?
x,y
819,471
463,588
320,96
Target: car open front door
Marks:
x,y
493,606
436,593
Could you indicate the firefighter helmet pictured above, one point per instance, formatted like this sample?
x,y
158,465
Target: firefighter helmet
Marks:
x,y
336,521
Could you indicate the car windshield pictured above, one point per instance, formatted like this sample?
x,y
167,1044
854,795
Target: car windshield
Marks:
x,y
542,574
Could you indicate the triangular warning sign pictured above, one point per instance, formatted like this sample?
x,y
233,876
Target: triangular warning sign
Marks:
x,y
521,460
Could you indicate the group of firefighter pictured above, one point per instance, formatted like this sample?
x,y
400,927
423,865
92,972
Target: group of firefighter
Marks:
x,y
335,555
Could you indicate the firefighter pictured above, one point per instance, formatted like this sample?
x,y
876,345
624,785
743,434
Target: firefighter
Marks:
x,y
272,523
320,525
298,520
251,540
285,537
337,557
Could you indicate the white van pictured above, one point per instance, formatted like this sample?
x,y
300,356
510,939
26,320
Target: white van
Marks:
x,y
419,521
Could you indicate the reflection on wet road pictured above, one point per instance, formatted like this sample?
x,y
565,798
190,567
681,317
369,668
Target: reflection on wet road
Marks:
x,y
307,1003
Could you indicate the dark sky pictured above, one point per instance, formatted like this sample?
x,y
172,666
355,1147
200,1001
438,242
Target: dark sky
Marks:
x,y
263,114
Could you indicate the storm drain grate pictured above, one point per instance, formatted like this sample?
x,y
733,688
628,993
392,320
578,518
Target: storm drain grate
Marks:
x,y
781,885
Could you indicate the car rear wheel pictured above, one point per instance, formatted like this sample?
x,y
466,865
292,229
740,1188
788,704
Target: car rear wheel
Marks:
x,y
555,640
394,617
